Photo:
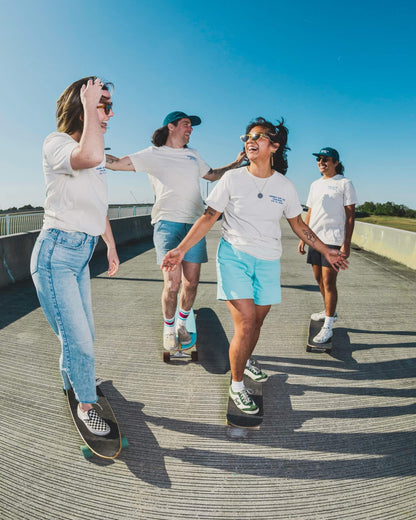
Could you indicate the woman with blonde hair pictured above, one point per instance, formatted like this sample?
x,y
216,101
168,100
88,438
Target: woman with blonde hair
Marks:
x,y
75,215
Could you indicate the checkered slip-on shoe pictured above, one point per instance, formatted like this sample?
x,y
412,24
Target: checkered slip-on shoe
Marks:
x,y
93,422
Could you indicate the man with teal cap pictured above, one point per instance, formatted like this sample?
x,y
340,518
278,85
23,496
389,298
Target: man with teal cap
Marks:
x,y
175,171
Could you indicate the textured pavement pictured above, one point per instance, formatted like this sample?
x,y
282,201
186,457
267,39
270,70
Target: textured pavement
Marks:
x,y
338,437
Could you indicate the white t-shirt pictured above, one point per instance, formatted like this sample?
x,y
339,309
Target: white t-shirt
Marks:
x,y
174,174
76,200
327,198
249,223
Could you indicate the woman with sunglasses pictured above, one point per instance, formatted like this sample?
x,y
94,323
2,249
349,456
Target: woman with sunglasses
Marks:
x,y
75,215
252,200
331,204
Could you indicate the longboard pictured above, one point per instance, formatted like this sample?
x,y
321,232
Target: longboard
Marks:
x,y
106,447
311,346
181,352
239,419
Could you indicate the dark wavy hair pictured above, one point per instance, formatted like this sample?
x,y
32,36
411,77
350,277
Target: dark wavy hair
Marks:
x,y
339,169
160,136
277,134
69,109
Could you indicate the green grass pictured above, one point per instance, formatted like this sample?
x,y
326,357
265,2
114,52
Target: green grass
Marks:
x,y
408,224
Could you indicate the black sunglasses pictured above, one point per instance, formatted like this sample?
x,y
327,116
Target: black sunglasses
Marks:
x,y
107,107
323,159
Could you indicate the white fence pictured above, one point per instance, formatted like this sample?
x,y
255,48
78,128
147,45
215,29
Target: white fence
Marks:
x,y
13,223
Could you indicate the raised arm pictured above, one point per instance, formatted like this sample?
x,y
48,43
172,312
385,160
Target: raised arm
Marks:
x,y
334,257
114,163
217,173
349,228
90,149
201,227
301,245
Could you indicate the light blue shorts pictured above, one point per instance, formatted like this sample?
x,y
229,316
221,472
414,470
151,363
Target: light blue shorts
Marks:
x,y
167,235
242,276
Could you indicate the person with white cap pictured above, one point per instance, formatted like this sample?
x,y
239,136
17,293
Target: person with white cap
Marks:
x,y
331,204
175,171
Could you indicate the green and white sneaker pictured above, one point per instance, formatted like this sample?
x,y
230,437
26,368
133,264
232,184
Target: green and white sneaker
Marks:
x,y
256,373
243,401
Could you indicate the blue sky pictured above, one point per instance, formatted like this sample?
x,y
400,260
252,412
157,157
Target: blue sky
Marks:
x,y
341,74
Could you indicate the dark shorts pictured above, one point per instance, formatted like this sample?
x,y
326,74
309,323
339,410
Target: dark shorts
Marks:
x,y
316,258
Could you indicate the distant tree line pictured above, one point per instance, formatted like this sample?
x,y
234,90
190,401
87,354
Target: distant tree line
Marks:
x,y
387,208
27,207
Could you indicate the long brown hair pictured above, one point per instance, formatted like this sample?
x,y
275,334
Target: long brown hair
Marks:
x,y
69,108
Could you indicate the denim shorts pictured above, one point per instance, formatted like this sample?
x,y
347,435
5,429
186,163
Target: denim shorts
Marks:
x,y
243,276
316,258
167,235
60,272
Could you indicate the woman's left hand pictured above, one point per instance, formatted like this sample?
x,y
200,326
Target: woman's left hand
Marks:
x,y
113,262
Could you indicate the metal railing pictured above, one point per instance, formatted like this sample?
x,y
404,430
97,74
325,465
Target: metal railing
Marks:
x,y
12,223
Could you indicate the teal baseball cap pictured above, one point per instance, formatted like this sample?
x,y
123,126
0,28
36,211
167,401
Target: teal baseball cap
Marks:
x,y
328,152
174,116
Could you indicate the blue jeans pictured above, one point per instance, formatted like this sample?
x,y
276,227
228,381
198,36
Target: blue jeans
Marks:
x,y
60,272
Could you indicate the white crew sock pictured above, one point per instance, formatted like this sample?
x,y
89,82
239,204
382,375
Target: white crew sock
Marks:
x,y
329,321
237,386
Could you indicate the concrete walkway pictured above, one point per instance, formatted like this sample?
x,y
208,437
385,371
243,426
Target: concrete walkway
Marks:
x,y
338,437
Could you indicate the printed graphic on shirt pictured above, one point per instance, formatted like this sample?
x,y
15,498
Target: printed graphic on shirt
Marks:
x,y
277,200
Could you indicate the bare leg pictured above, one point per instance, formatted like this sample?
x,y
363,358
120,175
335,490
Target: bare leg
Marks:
x,y
190,279
172,282
329,282
247,319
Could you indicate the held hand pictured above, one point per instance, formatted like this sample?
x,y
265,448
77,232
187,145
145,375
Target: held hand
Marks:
x,y
301,247
113,262
337,259
171,260
91,93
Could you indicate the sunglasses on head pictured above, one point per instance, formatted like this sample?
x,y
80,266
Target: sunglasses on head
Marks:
x,y
253,137
323,159
107,107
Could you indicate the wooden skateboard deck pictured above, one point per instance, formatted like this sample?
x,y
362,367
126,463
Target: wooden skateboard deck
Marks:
x,y
108,446
311,346
239,419
181,352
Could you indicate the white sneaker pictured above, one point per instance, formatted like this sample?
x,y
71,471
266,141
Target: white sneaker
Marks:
x,y
324,335
169,340
320,316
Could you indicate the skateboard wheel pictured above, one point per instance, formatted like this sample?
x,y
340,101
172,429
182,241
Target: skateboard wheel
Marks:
x,y
124,442
87,453
166,357
194,355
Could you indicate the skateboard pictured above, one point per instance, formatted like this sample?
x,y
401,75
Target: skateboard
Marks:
x,y
181,352
311,346
106,447
239,419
